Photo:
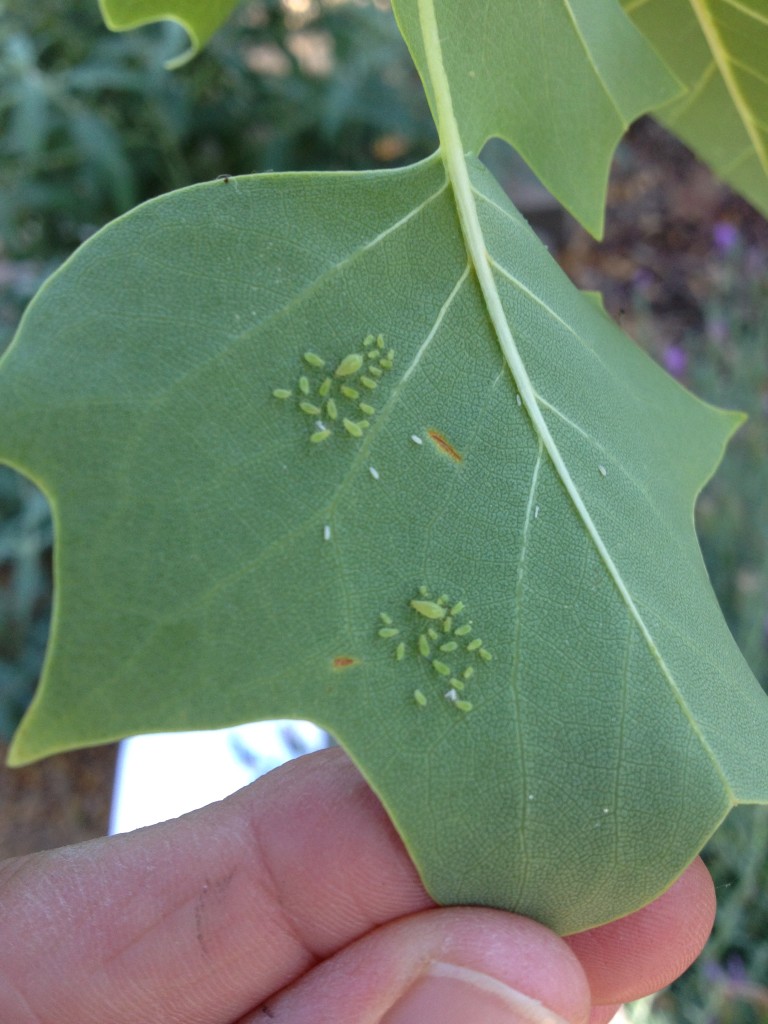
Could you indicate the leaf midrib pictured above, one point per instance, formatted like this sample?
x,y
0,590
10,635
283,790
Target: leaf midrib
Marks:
x,y
706,19
454,160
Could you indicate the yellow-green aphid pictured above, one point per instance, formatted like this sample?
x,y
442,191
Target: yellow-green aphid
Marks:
x,y
309,408
314,360
319,435
363,424
463,705
433,634
352,428
420,699
325,387
441,668
387,632
304,385
429,609
375,371
386,619
368,410
468,672
386,364
424,648
368,382
330,408
448,624
457,684
463,630
458,608
450,646
474,644
282,393
369,340
349,364
424,591
485,655
349,392
400,651
380,341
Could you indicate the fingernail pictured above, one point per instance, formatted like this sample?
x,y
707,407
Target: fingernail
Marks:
x,y
459,995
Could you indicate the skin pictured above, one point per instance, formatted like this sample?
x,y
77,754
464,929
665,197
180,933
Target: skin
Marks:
x,y
294,901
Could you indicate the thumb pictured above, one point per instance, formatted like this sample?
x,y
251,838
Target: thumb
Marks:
x,y
460,965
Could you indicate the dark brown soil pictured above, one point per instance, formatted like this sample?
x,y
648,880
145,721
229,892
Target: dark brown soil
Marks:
x,y
62,800
655,262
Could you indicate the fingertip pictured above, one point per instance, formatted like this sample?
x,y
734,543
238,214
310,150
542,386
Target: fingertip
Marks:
x,y
645,951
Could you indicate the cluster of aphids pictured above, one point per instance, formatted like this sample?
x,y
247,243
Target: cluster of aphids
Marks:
x,y
340,401
438,634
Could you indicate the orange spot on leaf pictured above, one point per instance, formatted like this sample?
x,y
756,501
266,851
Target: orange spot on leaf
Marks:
x,y
444,446
345,662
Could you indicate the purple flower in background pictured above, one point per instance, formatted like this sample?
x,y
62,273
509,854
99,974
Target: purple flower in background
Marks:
x,y
675,360
725,235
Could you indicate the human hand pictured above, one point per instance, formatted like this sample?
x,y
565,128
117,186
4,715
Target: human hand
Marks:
x,y
294,902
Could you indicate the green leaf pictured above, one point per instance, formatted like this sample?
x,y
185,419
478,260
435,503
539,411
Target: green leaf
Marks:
x,y
559,81
199,18
215,564
352,448
718,48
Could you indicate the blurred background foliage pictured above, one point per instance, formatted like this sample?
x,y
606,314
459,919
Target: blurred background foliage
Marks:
x,y
91,124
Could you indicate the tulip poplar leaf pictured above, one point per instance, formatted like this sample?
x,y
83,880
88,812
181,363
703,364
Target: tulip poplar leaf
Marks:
x,y
351,447
199,18
616,724
718,49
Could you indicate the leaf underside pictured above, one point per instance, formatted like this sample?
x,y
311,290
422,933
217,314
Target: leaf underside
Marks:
x,y
218,560
718,49
560,81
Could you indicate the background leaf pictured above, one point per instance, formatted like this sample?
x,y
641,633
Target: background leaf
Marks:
x,y
717,48
200,18
215,564
560,82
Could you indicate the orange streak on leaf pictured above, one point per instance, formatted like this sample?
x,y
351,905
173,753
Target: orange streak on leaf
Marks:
x,y
345,662
444,446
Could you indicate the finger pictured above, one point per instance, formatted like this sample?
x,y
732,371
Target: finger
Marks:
x,y
451,965
604,1014
645,951
201,918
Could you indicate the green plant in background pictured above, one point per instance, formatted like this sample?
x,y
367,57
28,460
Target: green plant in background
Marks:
x,y
25,539
91,123
350,447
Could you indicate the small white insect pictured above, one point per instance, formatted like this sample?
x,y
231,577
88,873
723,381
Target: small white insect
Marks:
x,y
536,512
326,532
602,470
519,399
416,439
374,472
451,694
